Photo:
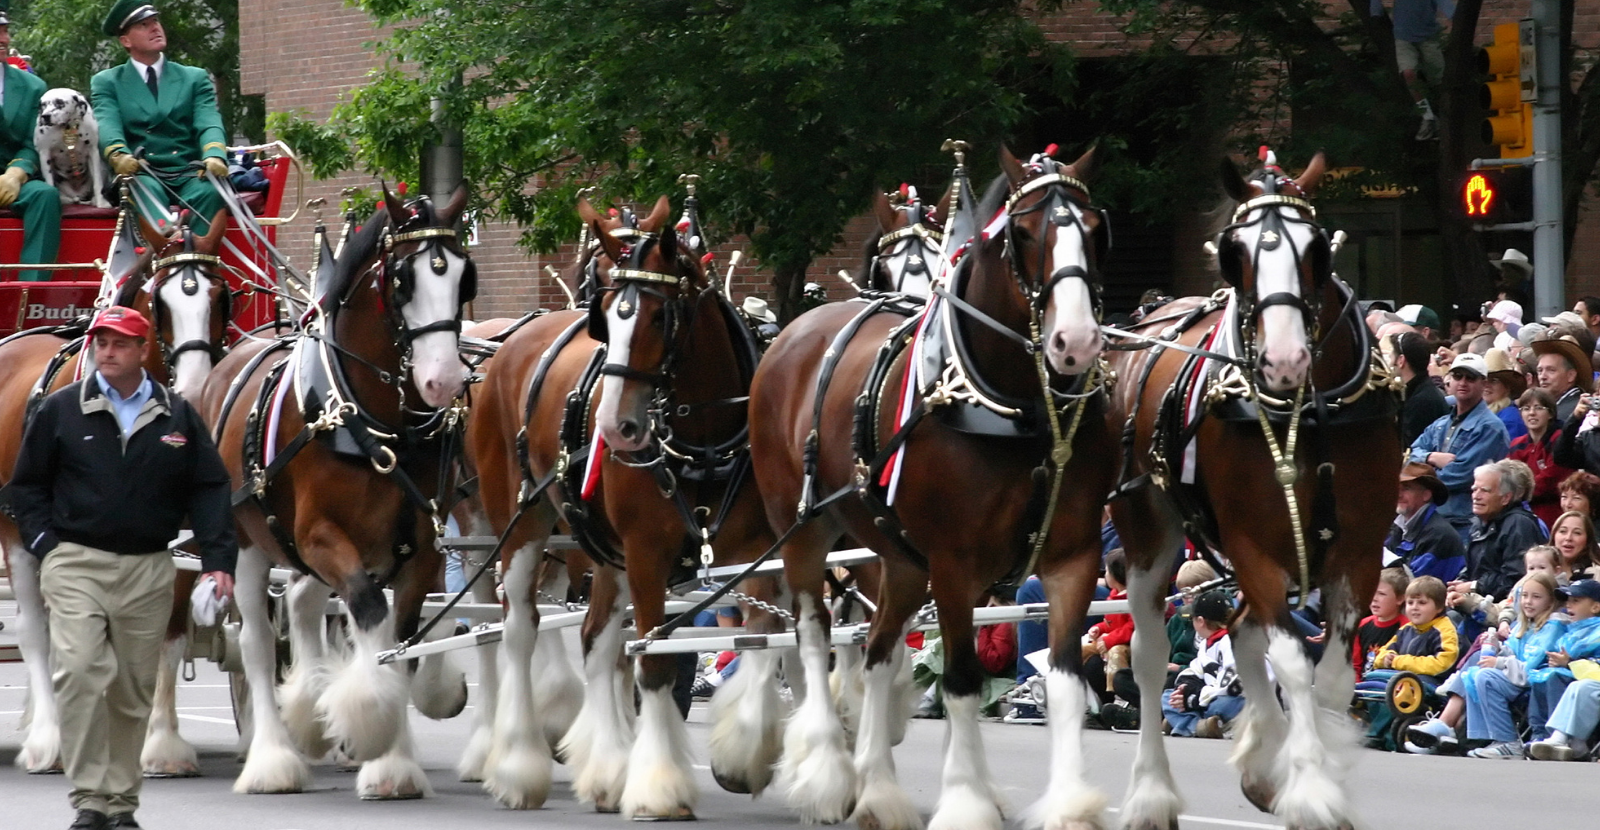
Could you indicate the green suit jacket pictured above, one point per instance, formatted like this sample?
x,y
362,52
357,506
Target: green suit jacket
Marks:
x,y
183,126
18,117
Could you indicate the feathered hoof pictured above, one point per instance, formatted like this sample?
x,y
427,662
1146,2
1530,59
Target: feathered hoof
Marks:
x,y
441,703
1074,808
965,808
167,755
520,779
392,778
273,769
732,782
679,814
41,753
883,805
1259,792
363,709
475,756
297,701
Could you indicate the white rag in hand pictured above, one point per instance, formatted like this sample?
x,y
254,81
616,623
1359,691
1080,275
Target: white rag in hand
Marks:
x,y
205,605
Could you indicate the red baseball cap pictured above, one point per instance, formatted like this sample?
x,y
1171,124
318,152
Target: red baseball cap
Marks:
x,y
122,320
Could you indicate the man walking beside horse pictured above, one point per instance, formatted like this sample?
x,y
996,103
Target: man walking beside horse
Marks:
x,y
109,468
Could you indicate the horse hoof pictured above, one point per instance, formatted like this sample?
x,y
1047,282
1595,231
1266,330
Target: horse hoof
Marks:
x,y
600,807
172,773
1259,793
392,795
731,783
680,814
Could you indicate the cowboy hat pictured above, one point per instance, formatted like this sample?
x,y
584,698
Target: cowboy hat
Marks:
x,y
1578,356
757,309
1504,369
1426,476
1513,259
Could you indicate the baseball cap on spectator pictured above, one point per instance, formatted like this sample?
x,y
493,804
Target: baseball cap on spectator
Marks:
x,y
1531,332
1506,311
122,320
1215,606
1586,588
1472,364
1566,319
1420,315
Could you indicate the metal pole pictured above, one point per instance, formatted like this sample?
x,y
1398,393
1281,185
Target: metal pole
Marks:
x,y
1549,271
442,166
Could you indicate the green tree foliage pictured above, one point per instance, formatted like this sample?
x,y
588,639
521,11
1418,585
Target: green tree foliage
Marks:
x,y
63,39
1337,78
792,111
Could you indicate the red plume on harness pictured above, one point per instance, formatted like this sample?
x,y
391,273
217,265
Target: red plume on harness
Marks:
x,y
905,191
1050,150
400,188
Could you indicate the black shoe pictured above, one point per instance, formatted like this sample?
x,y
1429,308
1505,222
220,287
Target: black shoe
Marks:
x,y
91,820
1119,716
124,821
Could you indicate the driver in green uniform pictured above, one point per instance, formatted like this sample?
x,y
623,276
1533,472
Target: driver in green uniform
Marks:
x,y
36,202
163,108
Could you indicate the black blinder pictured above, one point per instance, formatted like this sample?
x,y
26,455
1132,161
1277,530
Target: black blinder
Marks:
x,y
1230,255
597,319
469,282
404,281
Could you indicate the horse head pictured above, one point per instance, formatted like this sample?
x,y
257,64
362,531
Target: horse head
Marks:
x,y
428,277
1278,260
1055,240
188,300
901,257
654,288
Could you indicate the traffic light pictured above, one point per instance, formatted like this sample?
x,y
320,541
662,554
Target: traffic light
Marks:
x,y
1509,124
1496,195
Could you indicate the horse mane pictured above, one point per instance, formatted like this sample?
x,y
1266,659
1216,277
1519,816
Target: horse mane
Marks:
x,y
994,198
358,251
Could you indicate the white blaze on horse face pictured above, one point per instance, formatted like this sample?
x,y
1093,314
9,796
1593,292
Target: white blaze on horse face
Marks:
x,y
621,416
910,266
191,320
436,368
1281,336
1071,333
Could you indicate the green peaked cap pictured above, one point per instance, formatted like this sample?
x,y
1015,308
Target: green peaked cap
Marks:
x,y
124,13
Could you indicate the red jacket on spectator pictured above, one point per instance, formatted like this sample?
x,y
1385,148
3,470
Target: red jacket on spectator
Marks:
x,y
1116,629
997,649
1547,474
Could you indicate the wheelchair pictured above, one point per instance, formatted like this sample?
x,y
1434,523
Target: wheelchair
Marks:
x,y
1405,700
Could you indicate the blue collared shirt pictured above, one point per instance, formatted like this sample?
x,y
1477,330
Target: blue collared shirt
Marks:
x,y
1479,438
128,408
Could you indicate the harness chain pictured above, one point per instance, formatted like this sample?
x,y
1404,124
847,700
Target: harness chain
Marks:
x,y
1287,473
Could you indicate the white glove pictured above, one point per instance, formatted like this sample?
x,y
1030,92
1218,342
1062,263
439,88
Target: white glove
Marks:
x,y
205,605
1208,694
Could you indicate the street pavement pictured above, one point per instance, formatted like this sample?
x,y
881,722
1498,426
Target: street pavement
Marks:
x,y
1417,793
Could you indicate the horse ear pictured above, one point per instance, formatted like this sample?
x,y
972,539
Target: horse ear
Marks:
x,y
1312,175
1233,183
883,210
397,209
151,234
668,245
209,243
1084,167
453,210
658,217
591,217
1012,167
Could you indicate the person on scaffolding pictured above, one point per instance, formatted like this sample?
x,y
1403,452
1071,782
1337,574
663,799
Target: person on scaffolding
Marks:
x,y
164,112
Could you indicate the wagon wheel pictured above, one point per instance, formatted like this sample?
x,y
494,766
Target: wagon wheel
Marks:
x,y
1406,694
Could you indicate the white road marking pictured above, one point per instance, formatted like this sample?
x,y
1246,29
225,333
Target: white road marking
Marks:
x,y
230,722
1221,822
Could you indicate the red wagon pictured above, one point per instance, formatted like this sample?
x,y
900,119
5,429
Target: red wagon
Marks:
x,y
86,237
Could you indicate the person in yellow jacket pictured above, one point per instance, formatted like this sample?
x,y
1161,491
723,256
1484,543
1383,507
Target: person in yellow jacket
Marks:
x,y
1427,644
166,110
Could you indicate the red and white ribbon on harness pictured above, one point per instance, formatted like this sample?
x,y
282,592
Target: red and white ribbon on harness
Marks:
x,y
591,469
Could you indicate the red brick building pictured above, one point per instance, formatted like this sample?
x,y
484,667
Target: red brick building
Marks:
x,y
306,55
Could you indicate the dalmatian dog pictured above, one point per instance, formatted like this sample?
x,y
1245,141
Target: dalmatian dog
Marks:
x,y
68,139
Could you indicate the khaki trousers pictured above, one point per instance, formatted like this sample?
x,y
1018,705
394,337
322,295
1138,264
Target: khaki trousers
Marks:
x,y
108,617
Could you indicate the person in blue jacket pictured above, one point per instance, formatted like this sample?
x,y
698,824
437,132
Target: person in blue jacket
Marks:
x,y
1458,443
1580,642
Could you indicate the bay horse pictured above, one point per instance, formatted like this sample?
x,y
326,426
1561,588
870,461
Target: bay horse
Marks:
x,y
338,440
179,285
655,370
1286,345
903,253
974,505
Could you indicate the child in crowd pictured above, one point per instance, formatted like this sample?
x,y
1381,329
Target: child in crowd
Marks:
x,y
1552,684
1502,674
1109,639
1426,645
1377,630
1206,696
1122,713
